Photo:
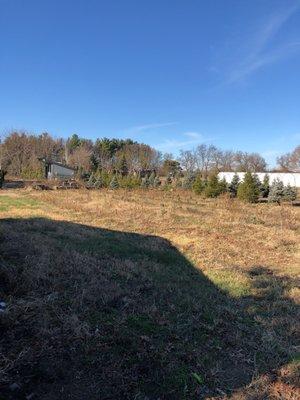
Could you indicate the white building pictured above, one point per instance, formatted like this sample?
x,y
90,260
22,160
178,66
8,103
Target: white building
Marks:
x,y
292,178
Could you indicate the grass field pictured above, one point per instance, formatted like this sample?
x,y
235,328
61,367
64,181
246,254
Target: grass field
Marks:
x,y
147,295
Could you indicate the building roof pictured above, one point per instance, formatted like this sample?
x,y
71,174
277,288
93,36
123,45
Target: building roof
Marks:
x,y
44,160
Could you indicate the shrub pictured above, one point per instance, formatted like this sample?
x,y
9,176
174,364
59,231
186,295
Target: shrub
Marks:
x,y
233,186
214,187
248,190
276,193
198,185
289,193
114,184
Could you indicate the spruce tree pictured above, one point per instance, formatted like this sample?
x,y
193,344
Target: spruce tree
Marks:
x,y
98,183
233,186
188,180
289,193
248,190
122,167
151,179
145,182
213,188
198,185
91,181
276,193
157,182
114,184
265,186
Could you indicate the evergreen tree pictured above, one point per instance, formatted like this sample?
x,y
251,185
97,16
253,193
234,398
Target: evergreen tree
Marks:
x,y
265,186
122,167
157,182
233,186
289,193
114,184
276,193
151,179
223,185
145,182
198,185
168,181
91,181
188,180
98,183
214,187
248,190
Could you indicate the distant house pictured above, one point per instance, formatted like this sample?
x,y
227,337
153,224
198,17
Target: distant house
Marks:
x,y
57,170
292,178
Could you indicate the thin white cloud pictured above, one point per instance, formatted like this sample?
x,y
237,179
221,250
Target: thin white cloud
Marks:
x,y
258,54
193,138
147,127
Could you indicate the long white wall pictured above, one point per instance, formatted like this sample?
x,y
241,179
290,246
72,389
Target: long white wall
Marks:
x,y
287,178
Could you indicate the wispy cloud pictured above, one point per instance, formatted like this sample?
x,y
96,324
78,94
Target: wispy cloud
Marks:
x,y
149,127
260,52
188,139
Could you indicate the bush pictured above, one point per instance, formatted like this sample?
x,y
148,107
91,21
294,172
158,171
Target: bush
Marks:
x,y
98,183
214,187
114,184
276,193
289,193
248,190
233,186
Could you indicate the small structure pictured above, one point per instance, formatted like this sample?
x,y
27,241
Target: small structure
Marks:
x,y
287,178
57,170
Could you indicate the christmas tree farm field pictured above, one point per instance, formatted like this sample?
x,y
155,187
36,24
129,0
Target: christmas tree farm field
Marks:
x,y
147,294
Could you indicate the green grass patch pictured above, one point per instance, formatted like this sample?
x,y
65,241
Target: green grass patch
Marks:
x,y
7,203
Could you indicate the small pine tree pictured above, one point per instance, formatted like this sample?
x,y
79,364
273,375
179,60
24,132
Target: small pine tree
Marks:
x,y
168,180
233,186
99,183
276,193
214,187
223,186
122,167
145,183
151,179
289,193
198,185
248,190
188,180
157,182
265,186
91,181
114,184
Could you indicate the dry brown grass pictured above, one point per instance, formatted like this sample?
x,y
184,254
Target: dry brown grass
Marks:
x,y
246,256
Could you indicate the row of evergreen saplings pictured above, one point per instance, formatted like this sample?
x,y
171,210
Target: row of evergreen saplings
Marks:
x,y
250,189
114,181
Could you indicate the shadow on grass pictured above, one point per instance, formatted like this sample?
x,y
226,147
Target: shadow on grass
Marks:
x,y
100,314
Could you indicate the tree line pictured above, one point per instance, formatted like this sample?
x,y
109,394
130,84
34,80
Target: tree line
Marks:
x,y
20,154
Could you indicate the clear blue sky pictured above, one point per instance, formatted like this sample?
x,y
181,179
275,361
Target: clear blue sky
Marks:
x,y
169,73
